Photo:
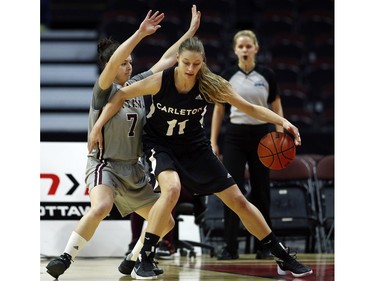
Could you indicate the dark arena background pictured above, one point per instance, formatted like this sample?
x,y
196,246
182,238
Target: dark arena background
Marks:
x,y
296,39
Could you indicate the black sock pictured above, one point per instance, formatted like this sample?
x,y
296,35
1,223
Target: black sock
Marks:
x,y
149,246
277,249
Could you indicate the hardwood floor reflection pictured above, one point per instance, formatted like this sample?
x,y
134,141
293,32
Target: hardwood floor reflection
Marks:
x,y
201,268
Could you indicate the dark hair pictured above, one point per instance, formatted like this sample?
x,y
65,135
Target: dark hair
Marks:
x,y
106,47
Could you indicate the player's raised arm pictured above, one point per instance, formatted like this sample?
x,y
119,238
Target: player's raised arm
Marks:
x,y
149,25
169,57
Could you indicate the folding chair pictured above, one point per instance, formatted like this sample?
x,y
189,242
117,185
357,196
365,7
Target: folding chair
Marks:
x,y
325,189
184,246
293,209
212,225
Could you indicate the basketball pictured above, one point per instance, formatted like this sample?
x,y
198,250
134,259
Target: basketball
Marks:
x,y
276,150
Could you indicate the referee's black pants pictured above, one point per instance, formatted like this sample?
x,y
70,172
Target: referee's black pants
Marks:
x,y
240,146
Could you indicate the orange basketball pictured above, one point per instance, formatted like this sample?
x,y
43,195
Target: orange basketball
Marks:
x,y
276,150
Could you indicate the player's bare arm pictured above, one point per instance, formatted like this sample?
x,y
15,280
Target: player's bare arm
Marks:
x,y
264,114
148,26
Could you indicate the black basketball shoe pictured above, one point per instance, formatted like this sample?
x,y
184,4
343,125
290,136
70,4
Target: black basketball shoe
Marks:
x,y
57,266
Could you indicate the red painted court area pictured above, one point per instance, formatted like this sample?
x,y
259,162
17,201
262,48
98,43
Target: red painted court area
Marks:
x,y
322,266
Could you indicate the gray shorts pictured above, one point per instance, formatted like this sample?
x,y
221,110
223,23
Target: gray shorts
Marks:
x,y
130,183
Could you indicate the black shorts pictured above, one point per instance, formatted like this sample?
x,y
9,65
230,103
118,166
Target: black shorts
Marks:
x,y
201,172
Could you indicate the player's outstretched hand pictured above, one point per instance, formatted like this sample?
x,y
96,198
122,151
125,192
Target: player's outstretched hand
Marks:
x,y
151,22
195,19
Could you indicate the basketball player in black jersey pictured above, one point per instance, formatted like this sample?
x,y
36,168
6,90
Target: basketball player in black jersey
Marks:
x,y
179,152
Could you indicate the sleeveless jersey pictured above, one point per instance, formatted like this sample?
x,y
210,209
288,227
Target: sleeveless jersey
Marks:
x,y
175,118
257,87
123,132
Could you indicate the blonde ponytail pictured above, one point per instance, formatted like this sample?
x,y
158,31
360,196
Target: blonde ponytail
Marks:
x,y
213,87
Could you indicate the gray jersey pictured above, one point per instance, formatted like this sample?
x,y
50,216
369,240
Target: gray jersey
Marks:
x,y
258,87
122,135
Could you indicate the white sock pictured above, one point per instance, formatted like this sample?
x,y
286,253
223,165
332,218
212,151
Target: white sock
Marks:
x,y
136,250
75,244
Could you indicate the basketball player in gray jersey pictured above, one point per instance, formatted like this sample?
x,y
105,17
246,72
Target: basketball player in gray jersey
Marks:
x,y
180,153
256,84
119,146
114,173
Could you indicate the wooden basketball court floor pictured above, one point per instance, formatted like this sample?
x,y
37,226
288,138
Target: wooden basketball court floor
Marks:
x,y
202,267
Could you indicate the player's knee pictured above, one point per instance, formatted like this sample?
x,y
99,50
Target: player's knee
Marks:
x,y
239,202
101,211
171,193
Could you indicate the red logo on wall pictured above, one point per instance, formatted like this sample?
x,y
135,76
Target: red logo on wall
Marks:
x,y
58,201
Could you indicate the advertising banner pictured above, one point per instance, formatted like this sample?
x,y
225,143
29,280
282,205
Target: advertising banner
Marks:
x,y
64,200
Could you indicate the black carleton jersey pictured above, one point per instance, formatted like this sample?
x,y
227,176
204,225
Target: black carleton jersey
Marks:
x,y
174,139
176,118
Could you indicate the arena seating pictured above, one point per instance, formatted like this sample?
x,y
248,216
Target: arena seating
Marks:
x,y
296,39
